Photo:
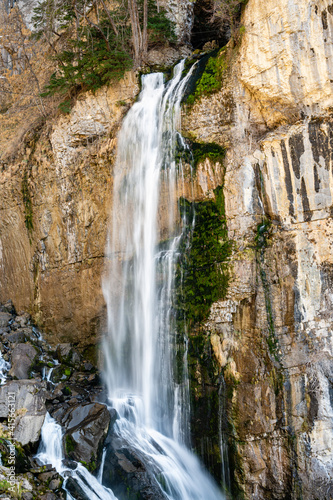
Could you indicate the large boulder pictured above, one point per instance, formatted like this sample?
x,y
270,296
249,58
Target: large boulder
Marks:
x,y
28,399
23,357
126,473
87,426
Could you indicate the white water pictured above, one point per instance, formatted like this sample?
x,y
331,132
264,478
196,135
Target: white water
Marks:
x,y
140,345
51,452
4,367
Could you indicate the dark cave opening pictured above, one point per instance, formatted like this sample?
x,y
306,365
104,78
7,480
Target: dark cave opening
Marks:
x,y
205,29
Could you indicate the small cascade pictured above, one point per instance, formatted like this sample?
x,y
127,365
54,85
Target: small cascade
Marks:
x,y
51,452
4,368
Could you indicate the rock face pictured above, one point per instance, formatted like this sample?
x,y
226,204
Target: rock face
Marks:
x,y
269,341
28,398
58,200
86,429
272,336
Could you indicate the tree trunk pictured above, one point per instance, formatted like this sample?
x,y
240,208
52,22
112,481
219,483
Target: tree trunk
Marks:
x,y
145,29
136,31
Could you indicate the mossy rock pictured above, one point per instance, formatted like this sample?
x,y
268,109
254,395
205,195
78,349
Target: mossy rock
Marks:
x,y
202,275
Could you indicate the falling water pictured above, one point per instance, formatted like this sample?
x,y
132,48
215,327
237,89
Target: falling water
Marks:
x,y
141,341
153,408
51,452
4,367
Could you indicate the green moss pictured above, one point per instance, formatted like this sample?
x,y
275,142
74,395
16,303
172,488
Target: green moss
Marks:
x,y
69,444
202,151
91,466
202,276
66,391
27,203
211,78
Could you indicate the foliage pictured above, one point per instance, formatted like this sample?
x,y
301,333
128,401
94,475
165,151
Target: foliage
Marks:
x,y
201,151
228,12
160,29
88,63
202,277
98,43
211,79
69,444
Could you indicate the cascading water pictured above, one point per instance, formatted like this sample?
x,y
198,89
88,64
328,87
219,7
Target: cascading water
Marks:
x,y
4,367
139,292
139,349
51,452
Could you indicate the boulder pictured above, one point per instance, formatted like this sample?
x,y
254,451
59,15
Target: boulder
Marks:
x,y
68,355
28,399
23,357
87,426
126,474
75,489
8,307
23,319
5,317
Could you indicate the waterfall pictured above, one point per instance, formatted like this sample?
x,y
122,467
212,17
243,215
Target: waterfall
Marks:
x,y
51,452
138,289
142,339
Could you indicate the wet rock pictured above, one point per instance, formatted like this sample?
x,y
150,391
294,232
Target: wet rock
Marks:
x,y
28,399
75,490
87,426
23,357
126,474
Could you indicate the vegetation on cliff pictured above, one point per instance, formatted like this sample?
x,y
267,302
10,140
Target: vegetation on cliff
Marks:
x,y
203,276
96,43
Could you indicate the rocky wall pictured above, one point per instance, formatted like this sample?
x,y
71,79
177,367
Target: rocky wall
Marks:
x,y
272,335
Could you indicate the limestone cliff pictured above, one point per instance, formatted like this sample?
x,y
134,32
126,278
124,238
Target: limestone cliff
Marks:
x,y
54,209
273,334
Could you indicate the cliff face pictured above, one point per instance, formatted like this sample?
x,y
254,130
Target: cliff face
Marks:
x,y
273,334
55,204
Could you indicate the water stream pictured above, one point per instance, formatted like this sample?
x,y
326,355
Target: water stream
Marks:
x,y
152,402
140,374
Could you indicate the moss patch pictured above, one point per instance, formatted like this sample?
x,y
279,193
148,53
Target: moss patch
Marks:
x,y
202,276
211,79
